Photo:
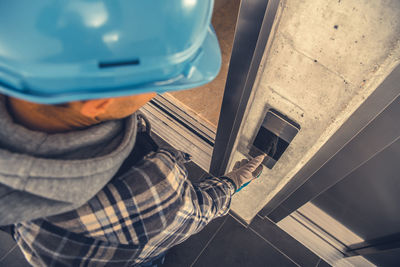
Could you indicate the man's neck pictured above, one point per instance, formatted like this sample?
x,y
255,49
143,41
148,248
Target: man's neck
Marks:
x,y
47,118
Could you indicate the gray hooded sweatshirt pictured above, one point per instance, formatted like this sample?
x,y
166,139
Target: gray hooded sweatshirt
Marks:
x,y
45,174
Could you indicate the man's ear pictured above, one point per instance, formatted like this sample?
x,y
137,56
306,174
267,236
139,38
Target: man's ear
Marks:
x,y
96,107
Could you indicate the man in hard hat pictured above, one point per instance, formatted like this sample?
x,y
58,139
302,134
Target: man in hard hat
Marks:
x,y
79,180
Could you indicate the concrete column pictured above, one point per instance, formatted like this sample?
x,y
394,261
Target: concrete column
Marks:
x,y
325,59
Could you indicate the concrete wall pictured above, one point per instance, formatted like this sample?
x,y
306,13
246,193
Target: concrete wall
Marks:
x,y
325,59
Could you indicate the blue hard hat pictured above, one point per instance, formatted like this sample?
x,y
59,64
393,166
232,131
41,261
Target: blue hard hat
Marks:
x,y
54,51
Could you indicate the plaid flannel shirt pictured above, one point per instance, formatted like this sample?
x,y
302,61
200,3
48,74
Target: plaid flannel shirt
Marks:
x,y
132,220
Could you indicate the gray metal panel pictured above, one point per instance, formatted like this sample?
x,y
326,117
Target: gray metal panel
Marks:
x,y
283,203
387,258
373,139
275,134
280,126
255,21
367,200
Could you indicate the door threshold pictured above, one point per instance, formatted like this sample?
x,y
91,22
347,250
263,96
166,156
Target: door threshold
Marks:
x,y
181,128
301,227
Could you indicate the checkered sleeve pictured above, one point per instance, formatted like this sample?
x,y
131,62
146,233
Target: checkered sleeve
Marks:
x,y
198,203
133,219
207,199
155,194
210,198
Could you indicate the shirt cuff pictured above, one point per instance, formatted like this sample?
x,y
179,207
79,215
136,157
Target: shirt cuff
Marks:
x,y
229,180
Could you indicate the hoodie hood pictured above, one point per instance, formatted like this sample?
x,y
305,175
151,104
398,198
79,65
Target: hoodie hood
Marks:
x,y
45,174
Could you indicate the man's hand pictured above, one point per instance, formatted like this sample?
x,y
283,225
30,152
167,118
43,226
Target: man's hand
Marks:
x,y
244,171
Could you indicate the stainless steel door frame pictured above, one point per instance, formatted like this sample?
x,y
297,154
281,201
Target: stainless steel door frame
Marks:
x,y
253,30
316,176
211,150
